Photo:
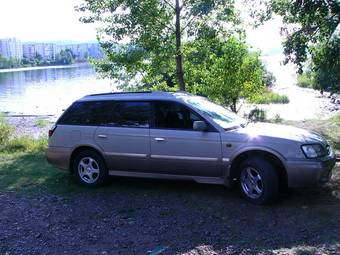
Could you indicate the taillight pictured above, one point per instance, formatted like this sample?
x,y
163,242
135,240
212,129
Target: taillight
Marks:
x,y
51,131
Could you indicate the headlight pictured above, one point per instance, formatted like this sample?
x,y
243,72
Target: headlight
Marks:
x,y
313,150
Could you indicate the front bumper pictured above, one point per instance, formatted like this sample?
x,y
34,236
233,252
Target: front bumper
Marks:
x,y
309,173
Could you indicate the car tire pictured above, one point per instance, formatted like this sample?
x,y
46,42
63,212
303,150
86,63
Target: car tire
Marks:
x,y
90,169
258,181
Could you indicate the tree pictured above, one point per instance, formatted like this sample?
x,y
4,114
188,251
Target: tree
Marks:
x,y
154,32
306,24
64,57
223,70
326,65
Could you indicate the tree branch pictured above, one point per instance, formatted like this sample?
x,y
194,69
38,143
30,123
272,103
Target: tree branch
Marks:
x,y
170,4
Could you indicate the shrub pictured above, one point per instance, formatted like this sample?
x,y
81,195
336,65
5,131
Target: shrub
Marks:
x,y
41,123
304,81
6,131
26,144
269,97
277,118
257,115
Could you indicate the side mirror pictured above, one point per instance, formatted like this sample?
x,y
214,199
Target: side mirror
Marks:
x,y
200,126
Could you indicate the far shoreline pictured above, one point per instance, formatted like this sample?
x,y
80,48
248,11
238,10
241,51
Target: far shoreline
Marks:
x,y
32,68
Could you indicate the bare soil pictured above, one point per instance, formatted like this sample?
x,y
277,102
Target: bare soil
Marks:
x,y
138,216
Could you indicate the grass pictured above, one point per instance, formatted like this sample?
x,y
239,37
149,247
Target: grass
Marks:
x,y
269,97
41,123
6,131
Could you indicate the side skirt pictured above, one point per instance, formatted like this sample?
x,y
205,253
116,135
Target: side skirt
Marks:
x,y
199,179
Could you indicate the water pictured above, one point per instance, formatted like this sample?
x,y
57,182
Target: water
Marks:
x,y
48,91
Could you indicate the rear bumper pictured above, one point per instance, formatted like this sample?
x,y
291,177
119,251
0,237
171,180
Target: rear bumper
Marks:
x,y
58,157
309,173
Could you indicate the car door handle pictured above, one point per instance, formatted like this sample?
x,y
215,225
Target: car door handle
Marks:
x,y
159,139
102,136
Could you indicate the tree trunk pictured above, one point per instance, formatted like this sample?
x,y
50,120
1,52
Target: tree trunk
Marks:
x,y
233,105
179,57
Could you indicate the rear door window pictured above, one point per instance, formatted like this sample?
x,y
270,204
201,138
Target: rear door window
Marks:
x,y
108,113
128,114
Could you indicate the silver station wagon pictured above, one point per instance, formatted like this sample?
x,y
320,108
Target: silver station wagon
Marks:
x,y
185,137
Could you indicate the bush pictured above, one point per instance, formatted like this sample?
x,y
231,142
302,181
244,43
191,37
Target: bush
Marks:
x,y
257,115
6,131
26,144
10,143
269,97
305,81
277,118
41,123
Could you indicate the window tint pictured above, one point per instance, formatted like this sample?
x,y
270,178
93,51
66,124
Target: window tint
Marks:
x,y
174,116
108,113
128,114
81,113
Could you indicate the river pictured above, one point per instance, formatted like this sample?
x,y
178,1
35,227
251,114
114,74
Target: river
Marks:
x,y
49,90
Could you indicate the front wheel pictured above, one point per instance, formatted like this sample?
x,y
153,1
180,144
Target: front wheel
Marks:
x,y
258,181
89,168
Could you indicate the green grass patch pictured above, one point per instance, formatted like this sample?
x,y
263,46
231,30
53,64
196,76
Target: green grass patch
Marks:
x,y
305,81
24,144
6,131
29,172
269,97
41,123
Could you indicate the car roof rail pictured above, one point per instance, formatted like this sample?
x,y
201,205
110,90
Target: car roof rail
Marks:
x,y
120,93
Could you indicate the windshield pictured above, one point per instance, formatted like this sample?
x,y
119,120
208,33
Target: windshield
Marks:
x,y
223,117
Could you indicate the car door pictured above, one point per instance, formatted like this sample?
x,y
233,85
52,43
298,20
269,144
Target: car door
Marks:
x,y
124,136
176,148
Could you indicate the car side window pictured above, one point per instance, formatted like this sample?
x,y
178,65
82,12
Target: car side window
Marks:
x,y
108,113
129,114
172,115
81,113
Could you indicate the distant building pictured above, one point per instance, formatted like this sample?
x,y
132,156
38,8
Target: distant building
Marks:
x,y
95,51
29,50
46,50
11,48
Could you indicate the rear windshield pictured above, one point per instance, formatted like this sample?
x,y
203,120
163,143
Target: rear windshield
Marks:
x,y
108,113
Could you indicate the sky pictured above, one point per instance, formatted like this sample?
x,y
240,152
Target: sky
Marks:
x,y
43,20
56,20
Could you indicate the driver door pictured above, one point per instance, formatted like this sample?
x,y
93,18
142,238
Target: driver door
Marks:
x,y
177,149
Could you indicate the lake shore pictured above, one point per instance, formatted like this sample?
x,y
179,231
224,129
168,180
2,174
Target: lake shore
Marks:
x,y
31,125
9,70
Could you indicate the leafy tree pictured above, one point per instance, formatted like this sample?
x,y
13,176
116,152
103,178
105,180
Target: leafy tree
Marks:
x,y
323,69
223,70
306,23
326,65
3,62
268,77
64,57
154,32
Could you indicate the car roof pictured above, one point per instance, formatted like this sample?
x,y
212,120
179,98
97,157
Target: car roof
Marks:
x,y
142,95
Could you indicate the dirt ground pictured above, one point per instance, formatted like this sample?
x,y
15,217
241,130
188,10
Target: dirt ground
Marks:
x,y
138,216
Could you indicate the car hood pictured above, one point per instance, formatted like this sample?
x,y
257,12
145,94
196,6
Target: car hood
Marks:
x,y
276,131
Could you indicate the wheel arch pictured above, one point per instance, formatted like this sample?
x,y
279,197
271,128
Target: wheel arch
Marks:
x,y
81,148
276,159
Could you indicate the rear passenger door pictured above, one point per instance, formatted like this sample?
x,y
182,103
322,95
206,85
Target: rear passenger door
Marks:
x,y
176,148
124,135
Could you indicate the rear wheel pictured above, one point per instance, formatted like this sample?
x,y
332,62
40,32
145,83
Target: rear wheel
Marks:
x,y
258,181
89,168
